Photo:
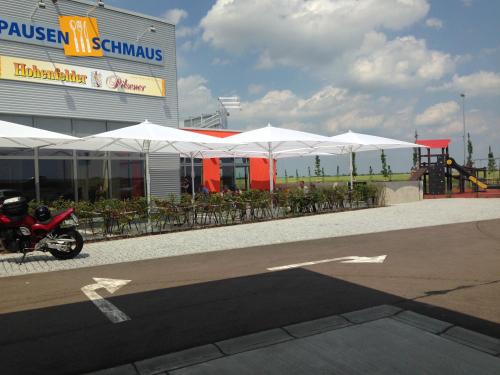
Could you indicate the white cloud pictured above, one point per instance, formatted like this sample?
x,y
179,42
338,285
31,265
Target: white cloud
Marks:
x,y
220,61
195,97
330,110
254,89
439,114
441,119
303,33
327,38
175,16
399,62
476,84
445,119
184,31
434,23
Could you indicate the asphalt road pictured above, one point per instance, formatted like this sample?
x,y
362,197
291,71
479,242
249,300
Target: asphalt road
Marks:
x,y
48,326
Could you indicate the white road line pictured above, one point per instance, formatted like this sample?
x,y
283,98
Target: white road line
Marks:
x,y
349,259
107,308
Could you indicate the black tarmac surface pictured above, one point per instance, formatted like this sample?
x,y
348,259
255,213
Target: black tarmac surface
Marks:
x,y
48,326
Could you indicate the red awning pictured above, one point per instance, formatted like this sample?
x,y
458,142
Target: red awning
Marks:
x,y
434,143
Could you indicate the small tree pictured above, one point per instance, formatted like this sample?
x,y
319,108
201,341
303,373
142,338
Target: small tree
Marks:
x,y
354,168
286,177
470,149
383,160
297,174
338,171
415,151
389,172
309,173
492,165
370,172
323,174
317,166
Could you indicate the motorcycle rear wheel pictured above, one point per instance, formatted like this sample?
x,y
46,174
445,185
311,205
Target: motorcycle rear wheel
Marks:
x,y
75,248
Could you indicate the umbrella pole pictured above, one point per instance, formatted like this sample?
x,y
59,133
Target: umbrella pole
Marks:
x,y
271,174
192,178
350,168
148,181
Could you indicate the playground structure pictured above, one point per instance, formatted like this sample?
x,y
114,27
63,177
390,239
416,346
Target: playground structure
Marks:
x,y
435,169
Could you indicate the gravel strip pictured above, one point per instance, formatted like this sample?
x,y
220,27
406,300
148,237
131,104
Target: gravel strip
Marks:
x,y
402,216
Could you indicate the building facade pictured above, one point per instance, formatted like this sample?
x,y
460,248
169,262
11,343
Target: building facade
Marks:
x,y
218,174
82,67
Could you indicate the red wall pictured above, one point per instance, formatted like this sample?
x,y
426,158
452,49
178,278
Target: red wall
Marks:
x,y
259,168
259,173
211,174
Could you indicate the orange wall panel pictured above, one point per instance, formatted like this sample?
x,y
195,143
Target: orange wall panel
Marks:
x,y
259,167
211,174
259,173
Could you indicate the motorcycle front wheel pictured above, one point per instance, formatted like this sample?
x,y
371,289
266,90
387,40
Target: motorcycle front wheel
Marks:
x,y
73,249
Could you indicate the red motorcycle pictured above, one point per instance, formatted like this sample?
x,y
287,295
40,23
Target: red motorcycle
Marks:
x,y
21,232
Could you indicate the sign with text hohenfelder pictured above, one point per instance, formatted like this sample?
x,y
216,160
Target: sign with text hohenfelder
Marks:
x,y
35,71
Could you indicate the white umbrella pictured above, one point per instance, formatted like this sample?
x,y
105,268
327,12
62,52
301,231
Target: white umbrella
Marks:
x,y
147,138
355,142
275,142
15,135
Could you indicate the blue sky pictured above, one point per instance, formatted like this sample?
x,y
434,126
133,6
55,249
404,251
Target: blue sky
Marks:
x,y
382,67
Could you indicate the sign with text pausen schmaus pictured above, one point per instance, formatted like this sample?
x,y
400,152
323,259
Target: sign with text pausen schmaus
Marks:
x,y
78,36
36,71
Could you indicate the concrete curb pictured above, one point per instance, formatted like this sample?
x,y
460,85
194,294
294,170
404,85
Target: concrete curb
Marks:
x,y
423,322
473,339
253,341
314,327
372,313
172,361
161,365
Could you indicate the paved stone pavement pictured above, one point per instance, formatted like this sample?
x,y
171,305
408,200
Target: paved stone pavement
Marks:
x,y
402,216
379,340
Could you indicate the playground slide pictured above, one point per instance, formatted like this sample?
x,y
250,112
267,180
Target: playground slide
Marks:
x,y
452,163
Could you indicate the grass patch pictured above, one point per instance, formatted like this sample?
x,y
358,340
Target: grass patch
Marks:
x,y
344,178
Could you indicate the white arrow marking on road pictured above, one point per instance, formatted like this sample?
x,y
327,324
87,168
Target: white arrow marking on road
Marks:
x,y
350,259
107,308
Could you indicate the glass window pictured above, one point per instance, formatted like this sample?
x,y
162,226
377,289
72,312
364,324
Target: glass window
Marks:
x,y
128,155
95,154
18,175
16,151
17,119
84,128
186,178
241,177
56,179
93,183
227,177
54,124
113,125
49,152
127,178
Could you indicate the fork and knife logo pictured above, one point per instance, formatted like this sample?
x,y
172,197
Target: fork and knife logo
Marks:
x,y
80,32
79,27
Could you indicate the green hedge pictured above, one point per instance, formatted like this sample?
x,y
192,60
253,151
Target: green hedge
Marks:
x,y
133,216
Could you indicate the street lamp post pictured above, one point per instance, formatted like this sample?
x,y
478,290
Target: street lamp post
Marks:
x,y
463,119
